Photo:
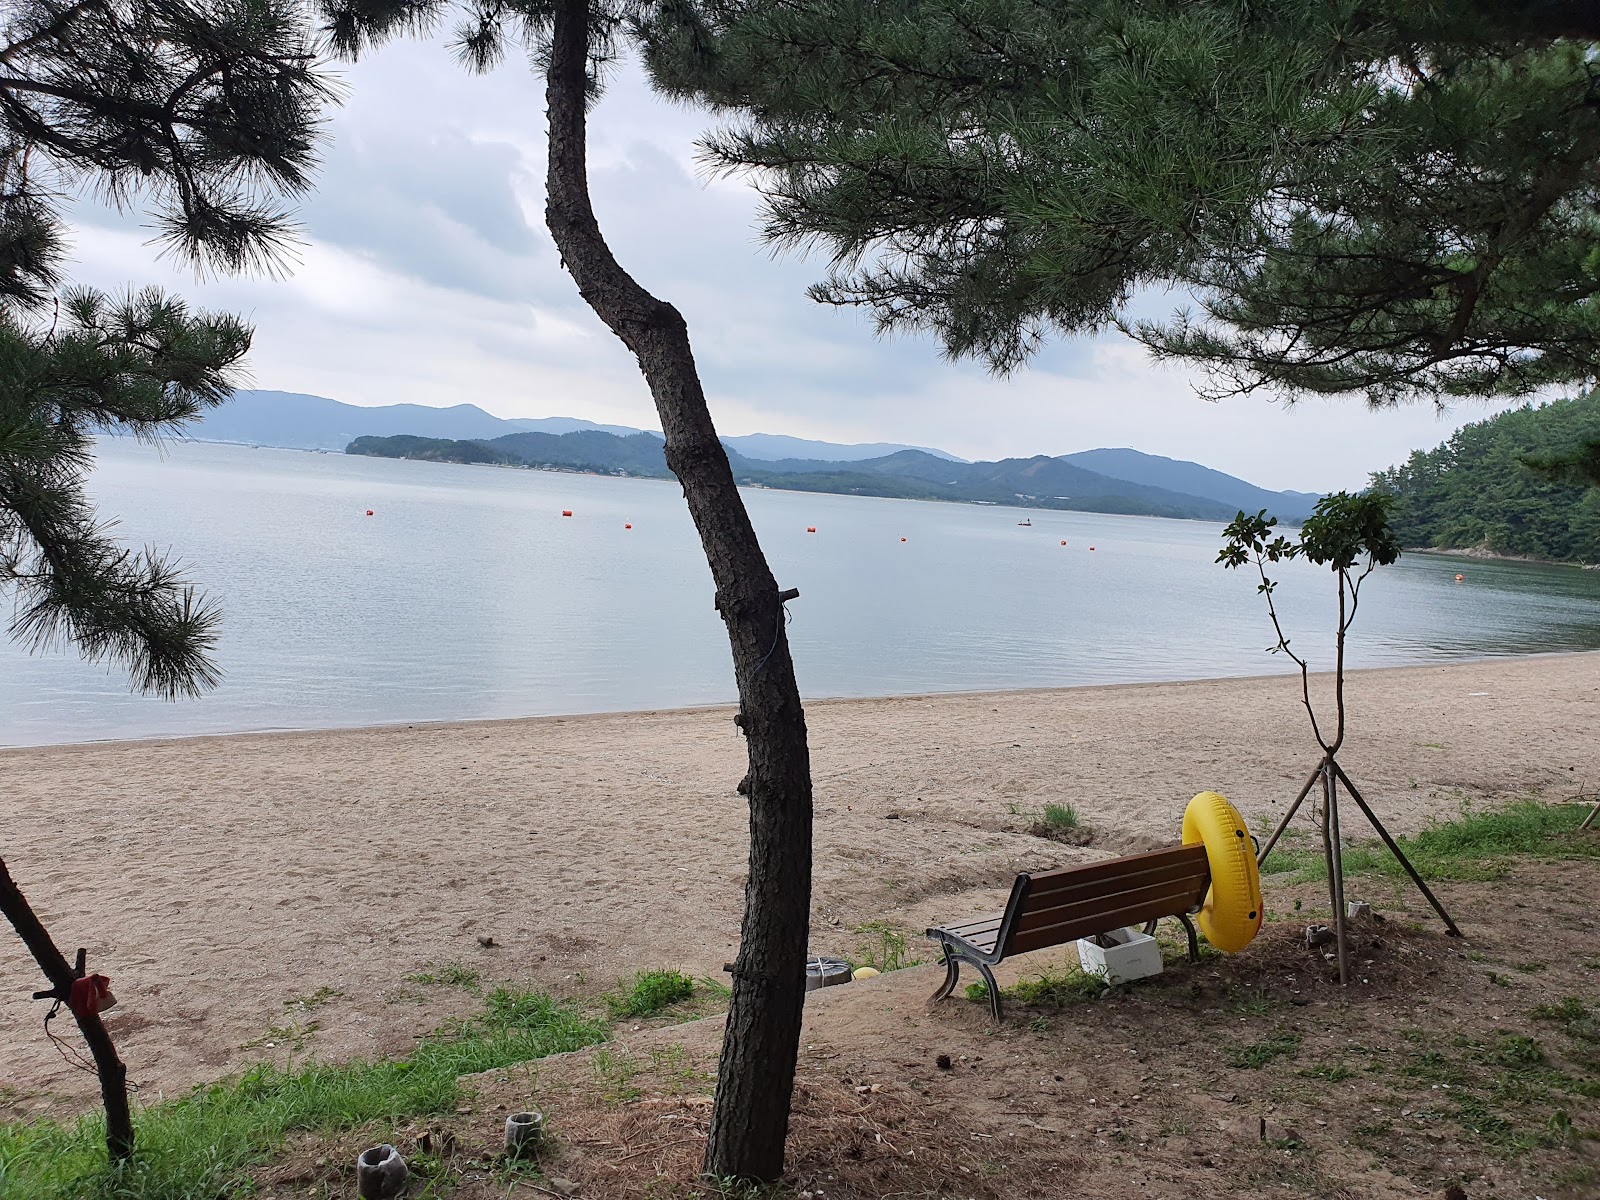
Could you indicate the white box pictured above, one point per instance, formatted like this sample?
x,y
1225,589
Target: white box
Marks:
x,y
1134,956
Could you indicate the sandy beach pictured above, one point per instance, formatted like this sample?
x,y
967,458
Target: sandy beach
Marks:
x,y
267,895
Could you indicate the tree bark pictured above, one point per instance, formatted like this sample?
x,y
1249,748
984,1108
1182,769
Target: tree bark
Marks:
x,y
755,1078
113,1075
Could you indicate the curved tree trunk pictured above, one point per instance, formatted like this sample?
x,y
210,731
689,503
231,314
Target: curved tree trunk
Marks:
x,y
756,1076
113,1075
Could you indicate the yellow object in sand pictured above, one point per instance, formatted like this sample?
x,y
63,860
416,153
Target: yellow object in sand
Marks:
x,y
864,973
1232,913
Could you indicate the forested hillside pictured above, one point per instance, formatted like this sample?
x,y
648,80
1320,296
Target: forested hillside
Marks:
x,y
1477,491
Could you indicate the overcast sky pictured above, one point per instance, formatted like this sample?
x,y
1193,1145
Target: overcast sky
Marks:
x,y
426,275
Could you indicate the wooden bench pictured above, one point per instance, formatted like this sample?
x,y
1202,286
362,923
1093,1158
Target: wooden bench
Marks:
x,y
1053,907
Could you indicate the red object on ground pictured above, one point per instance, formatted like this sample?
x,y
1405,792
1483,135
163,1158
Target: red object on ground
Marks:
x,y
566,512
90,994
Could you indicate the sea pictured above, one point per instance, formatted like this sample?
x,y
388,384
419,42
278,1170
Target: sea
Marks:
x,y
360,591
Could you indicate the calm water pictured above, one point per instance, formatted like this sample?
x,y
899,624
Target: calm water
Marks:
x,y
467,594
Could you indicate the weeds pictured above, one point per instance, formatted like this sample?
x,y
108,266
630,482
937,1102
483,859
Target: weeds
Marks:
x,y
446,975
1054,988
1258,1055
650,992
1061,816
883,947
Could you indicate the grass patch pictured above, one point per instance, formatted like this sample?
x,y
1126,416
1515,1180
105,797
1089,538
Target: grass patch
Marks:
x,y
650,992
205,1145
1052,989
1334,1074
1259,1054
446,975
1475,846
882,946
1061,816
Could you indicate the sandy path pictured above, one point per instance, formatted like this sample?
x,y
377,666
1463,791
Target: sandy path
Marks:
x,y
218,880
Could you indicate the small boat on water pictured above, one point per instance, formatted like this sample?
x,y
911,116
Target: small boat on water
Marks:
x,y
1028,522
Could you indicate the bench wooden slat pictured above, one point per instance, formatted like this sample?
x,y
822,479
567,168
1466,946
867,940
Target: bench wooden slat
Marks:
x,y
1166,898
980,925
1098,922
1178,859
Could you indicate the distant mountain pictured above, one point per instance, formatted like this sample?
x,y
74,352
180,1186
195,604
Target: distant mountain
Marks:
x,y
1103,480
1039,482
1194,480
302,422
771,447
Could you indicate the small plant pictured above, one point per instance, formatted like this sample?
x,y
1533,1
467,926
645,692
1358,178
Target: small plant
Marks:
x,y
650,993
882,946
1061,816
1061,823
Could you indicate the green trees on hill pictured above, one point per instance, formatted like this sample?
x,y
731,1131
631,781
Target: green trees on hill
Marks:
x,y
1483,488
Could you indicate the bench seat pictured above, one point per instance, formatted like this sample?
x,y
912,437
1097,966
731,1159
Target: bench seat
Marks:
x,y
1050,908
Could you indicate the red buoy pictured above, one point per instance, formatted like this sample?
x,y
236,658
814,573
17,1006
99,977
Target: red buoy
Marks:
x,y
1063,541
1459,578
627,525
1091,547
902,539
566,512
369,512
811,528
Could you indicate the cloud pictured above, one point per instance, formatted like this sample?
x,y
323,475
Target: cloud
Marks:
x,y
427,276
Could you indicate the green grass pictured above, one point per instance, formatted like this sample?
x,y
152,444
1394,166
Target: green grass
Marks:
x,y
1061,816
1475,846
203,1146
1054,989
650,992
882,946
1259,1054
446,975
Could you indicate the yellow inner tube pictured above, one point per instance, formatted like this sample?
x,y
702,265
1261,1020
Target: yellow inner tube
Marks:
x,y
1232,913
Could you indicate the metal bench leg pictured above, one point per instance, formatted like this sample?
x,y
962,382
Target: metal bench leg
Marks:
x,y
1194,940
952,973
994,988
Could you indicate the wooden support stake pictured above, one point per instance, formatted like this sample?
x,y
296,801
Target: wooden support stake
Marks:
x,y
1394,849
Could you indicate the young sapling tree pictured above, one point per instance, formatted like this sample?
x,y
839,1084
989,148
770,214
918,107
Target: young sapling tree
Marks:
x,y
1352,537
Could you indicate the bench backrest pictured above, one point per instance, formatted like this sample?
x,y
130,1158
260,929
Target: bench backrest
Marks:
x,y
1053,907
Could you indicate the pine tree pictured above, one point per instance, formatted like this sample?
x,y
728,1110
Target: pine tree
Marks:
x,y
573,41
200,114
1394,199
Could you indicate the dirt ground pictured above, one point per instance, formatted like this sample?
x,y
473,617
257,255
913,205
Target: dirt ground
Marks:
x,y
1445,1064
261,895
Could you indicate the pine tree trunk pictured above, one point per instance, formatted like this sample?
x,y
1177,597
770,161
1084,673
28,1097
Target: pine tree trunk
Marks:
x,y
755,1079
113,1075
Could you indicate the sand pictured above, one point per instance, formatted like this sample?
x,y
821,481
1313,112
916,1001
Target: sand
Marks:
x,y
271,894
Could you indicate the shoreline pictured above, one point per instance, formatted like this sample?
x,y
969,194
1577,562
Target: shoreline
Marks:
x,y
810,703
268,896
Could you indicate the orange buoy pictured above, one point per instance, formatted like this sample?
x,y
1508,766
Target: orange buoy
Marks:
x,y
811,528
627,525
566,512
902,539
1459,578
1063,541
